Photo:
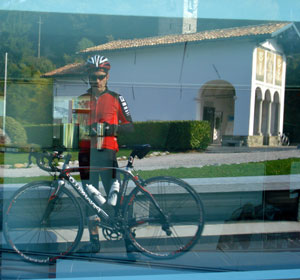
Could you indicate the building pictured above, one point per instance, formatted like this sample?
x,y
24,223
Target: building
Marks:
x,y
234,78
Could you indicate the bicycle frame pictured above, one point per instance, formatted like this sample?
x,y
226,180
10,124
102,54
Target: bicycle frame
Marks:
x,y
110,224
64,175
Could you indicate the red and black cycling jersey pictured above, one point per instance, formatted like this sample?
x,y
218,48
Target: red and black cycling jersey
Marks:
x,y
109,107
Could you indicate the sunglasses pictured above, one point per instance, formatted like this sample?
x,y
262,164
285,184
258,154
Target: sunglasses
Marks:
x,y
94,78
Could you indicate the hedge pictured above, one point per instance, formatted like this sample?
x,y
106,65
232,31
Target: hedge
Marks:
x,y
161,135
47,135
154,133
14,130
188,135
169,135
41,135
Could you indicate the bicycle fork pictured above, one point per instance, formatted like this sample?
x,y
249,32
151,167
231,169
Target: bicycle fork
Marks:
x,y
52,200
165,219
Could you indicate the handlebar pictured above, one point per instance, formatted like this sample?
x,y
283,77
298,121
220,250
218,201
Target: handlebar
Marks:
x,y
139,151
45,160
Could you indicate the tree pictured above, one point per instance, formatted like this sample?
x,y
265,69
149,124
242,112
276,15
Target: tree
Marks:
x,y
292,98
84,43
30,102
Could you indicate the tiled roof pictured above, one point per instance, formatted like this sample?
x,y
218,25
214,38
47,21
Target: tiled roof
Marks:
x,y
235,32
75,69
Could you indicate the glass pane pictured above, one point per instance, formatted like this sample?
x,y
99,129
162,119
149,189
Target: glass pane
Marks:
x,y
160,133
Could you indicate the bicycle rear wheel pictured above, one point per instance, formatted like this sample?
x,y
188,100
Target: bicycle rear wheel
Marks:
x,y
36,237
145,227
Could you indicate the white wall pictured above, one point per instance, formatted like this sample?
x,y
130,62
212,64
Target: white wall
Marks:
x,y
157,87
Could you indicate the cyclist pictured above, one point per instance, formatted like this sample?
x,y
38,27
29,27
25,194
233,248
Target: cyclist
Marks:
x,y
105,116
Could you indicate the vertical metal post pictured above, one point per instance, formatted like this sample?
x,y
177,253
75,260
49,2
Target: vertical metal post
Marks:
x,y
39,42
4,97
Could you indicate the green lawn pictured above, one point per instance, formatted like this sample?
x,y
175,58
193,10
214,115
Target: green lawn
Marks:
x,y
12,158
266,168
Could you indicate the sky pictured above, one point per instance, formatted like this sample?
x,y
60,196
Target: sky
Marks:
x,y
287,10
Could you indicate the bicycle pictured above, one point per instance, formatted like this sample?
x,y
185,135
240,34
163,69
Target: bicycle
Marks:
x,y
162,217
283,139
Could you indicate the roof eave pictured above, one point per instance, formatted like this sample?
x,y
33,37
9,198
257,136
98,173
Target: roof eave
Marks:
x,y
285,28
55,76
259,37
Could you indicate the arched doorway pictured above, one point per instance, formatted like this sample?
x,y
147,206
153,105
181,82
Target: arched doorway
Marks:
x,y
217,106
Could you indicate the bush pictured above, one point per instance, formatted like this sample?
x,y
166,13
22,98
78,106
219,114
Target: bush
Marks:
x,y
188,135
41,135
153,133
169,135
47,135
14,130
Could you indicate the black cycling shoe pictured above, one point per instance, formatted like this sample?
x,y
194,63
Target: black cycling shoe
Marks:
x,y
90,247
93,246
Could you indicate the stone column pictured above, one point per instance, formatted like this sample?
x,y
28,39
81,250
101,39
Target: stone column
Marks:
x,y
200,101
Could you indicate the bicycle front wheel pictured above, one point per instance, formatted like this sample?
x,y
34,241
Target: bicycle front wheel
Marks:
x,y
146,228
41,226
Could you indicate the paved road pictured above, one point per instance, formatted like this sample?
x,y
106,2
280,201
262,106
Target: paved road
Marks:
x,y
215,155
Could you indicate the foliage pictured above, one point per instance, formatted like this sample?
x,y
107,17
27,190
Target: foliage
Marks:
x,y
169,135
41,135
30,102
188,135
14,130
29,98
292,99
283,167
84,43
292,114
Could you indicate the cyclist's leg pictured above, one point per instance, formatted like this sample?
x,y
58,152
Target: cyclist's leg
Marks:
x,y
108,158
97,158
110,178
84,164
89,177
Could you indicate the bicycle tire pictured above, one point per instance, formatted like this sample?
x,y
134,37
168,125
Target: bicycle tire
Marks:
x,y
179,202
45,242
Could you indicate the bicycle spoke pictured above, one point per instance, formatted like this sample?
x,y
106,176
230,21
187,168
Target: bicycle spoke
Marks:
x,y
25,230
49,235
154,240
178,238
155,236
24,235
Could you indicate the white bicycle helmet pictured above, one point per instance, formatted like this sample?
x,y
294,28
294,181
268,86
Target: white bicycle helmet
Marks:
x,y
98,62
